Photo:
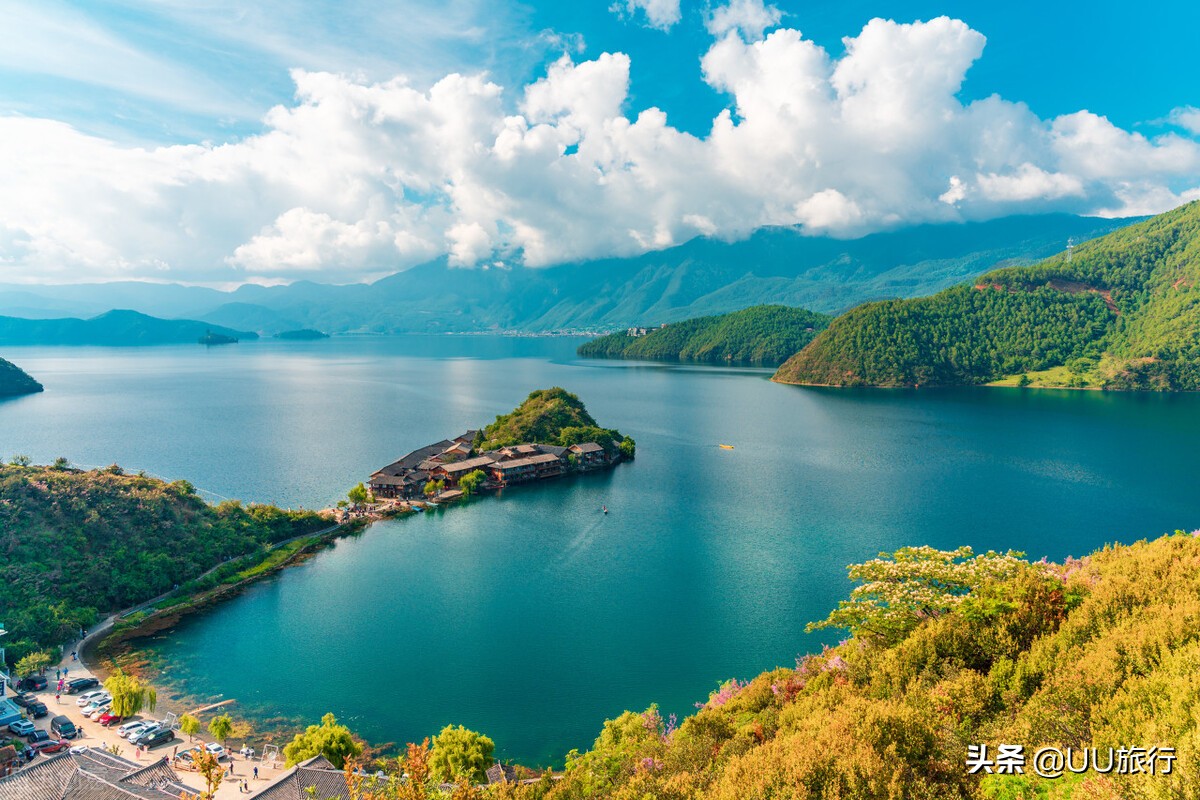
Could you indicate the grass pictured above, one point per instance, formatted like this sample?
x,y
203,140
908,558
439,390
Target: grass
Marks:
x,y
1054,378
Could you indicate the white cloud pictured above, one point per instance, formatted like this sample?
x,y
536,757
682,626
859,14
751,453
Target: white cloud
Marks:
x,y
357,178
660,14
749,17
1188,118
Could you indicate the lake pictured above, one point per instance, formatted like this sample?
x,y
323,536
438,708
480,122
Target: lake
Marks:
x,y
532,616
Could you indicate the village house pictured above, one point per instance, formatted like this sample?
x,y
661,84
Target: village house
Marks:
x,y
451,459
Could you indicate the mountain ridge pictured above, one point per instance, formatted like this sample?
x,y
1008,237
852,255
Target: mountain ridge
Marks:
x,y
701,277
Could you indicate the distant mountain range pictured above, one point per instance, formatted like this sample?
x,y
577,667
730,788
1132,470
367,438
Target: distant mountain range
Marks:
x,y
110,328
699,278
1121,311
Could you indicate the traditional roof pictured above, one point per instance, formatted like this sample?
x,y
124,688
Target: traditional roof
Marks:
x,y
553,449
413,459
316,777
468,437
93,775
586,447
541,458
459,447
501,773
388,480
466,465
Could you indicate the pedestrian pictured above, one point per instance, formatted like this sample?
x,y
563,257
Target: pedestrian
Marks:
x,y
256,773
139,752
58,698
57,674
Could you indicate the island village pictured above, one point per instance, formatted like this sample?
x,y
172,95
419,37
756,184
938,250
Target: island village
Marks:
x,y
436,472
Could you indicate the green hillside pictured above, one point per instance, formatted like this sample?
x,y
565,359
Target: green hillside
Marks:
x,y
15,381
757,335
948,650
551,416
1123,311
75,544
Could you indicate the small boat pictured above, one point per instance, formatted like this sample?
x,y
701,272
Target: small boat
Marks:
x,y
725,446
604,508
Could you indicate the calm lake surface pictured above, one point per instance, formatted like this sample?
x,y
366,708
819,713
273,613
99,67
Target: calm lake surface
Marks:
x,y
531,616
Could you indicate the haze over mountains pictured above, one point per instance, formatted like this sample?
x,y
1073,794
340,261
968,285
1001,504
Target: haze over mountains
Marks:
x,y
700,277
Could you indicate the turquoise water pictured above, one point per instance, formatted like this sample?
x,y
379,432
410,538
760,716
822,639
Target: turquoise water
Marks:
x,y
532,616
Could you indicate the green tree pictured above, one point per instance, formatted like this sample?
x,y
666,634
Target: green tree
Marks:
x,y
20,460
34,662
461,754
61,463
129,694
329,739
358,495
470,482
901,589
628,448
189,725
220,727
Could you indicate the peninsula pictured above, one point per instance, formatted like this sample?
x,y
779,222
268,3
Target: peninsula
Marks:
x,y
550,434
15,381
763,335
120,328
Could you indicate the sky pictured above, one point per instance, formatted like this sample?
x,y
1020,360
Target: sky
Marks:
x,y
207,142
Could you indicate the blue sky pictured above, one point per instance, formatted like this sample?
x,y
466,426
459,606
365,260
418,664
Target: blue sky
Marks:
x,y
183,140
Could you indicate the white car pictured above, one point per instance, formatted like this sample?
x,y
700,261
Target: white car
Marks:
x,y
96,709
131,729
216,749
91,697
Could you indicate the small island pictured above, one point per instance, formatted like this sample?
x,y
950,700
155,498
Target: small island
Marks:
x,y
15,381
549,435
302,335
211,338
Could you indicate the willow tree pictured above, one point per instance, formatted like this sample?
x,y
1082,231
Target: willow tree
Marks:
x,y
129,694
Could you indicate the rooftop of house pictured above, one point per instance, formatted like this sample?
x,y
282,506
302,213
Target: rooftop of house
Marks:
x,y
541,458
585,447
316,777
413,459
92,774
467,465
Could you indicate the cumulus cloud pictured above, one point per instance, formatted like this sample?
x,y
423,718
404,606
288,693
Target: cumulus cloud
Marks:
x,y
1188,118
356,178
661,14
748,17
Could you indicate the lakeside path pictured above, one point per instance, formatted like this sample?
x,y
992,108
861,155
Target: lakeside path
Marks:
x,y
93,734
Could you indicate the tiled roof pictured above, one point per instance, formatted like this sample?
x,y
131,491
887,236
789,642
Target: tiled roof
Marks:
x,y
586,447
468,465
542,458
92,775
414,458
316,774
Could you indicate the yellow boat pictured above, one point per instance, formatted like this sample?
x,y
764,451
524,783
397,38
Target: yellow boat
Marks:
x,y
725,446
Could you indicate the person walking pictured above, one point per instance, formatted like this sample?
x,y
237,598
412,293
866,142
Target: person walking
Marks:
x,y
256,773
58,698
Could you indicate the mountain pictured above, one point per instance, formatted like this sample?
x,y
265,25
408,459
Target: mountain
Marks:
x,y
78,544
15,381
1121,311
552,416
111,328
756,335
701,277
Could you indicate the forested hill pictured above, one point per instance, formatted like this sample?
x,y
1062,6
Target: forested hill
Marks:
x,y
75,544
552,416
758,335
15,381
1121,311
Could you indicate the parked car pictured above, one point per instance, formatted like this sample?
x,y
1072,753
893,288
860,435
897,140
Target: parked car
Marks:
x,y
27,753
96,709
51,745
216,749
32,683
37,736
91,697
37,709
132,728
81,685
63,727
21,727
23,700
108,719
154,737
